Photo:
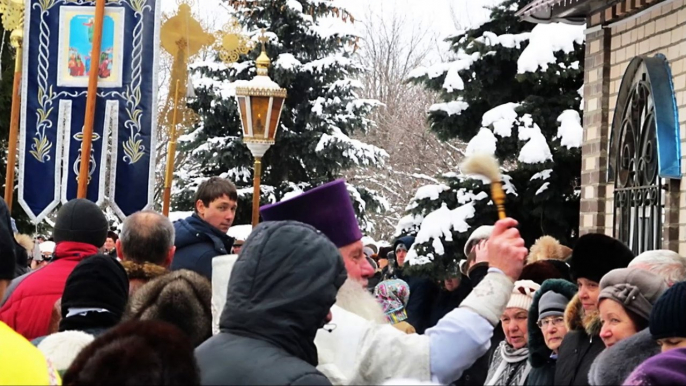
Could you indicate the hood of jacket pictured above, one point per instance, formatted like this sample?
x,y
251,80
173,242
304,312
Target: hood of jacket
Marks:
x,y
576,318
282,287
615,364
194,230
539,353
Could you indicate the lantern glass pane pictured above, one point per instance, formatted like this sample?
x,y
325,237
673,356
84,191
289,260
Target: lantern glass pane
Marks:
x,y
244,115
260,106
277,104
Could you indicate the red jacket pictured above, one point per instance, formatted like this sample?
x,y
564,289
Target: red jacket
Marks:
x,y
28,308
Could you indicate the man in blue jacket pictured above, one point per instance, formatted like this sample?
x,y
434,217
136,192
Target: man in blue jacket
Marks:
x,y
202,236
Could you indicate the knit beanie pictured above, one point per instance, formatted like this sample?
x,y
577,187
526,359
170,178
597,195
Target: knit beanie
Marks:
x,y
552,304
98,281
80,220
522,294
668,318
666,368
596,254
636,290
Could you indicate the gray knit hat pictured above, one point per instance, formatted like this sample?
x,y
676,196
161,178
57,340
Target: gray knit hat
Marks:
x,y
636,290
551,304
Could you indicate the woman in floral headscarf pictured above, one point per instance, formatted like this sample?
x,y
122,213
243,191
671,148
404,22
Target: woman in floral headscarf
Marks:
x,y
393,296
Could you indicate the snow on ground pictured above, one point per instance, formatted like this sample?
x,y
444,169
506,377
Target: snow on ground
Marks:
x,y
570,131
545,40
502,118
240,232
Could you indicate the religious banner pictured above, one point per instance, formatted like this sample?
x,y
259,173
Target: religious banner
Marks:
x,y
57,63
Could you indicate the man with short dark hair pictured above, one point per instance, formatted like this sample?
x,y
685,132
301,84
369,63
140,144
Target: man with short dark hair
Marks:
x,y
146,247
202,236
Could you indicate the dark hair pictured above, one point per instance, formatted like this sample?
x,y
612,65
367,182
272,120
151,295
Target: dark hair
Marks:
x,y
112,235
147,236
215,188
136,353
640,322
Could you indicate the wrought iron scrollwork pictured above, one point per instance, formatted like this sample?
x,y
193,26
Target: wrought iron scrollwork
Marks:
x,y
638,193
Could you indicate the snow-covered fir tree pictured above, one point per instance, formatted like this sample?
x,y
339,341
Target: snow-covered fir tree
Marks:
x,y
512,89
311,47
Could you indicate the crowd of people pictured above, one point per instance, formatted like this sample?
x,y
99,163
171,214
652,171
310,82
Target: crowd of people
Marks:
x,y
305,302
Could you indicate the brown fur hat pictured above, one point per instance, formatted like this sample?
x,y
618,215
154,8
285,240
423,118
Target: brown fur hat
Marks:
x,y
136,353
548,248
182,298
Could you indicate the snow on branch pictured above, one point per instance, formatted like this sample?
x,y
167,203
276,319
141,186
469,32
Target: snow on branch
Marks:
x,y
483,142
440,223
287,62
452,80
536,149
570,131
505,40
545,40
359,152
502,118
451,108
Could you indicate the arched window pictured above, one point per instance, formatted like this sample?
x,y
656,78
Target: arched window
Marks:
x,y
644,150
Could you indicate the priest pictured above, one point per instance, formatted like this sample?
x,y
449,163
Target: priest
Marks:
x,y
358,346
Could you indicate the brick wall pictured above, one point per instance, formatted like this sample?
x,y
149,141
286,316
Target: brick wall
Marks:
x,y
662,29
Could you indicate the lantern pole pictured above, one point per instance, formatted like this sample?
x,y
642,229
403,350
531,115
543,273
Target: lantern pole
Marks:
x,y
91,99
256,192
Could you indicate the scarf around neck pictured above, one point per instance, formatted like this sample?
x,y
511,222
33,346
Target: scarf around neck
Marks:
x,y
510,366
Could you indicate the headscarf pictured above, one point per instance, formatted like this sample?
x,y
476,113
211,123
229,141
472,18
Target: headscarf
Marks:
x,y
393,296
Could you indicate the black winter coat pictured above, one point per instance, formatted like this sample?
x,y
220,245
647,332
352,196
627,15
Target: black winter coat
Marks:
x,y
197,243
280,292
542,366
580,347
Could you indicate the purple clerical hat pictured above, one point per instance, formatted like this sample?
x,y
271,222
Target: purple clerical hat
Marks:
x,y
327,208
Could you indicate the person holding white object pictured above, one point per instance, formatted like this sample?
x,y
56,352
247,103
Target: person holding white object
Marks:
x,y
357,347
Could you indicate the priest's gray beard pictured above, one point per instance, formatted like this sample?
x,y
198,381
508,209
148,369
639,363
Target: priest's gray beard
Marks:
x,y
353,297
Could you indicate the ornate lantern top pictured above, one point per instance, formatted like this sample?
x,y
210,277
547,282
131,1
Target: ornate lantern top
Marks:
x,y
260,101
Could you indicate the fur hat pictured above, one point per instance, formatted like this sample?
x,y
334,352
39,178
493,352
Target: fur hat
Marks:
x,y
136,353
546,248
81,221
481,233
596,254
181,298
541,271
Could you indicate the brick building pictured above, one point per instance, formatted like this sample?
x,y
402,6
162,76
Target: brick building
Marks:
x,y
634,105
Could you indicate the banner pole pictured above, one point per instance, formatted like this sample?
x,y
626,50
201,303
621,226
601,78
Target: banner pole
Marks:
x,y
17,41
91,99
171,154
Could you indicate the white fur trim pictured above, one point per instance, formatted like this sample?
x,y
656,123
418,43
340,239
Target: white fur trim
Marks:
x,y
62,348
